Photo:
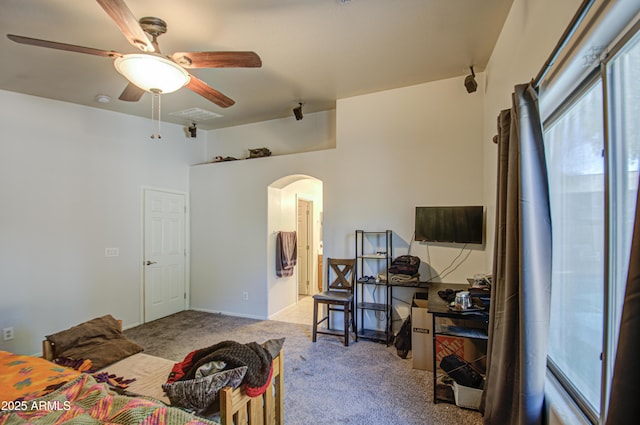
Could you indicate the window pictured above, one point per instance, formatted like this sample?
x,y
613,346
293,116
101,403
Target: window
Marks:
x,y
574,146
593,184
624,111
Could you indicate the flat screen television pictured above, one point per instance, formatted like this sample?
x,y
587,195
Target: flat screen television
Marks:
x,y
450,224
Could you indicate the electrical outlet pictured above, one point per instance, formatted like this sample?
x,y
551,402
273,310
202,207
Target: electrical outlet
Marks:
x,y
245,296
7,333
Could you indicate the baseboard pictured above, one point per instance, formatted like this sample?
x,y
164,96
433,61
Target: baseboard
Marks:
x,y
287,308
133,325
227,313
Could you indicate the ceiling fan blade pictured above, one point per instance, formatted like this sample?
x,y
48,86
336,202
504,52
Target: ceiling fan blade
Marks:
x,y
131,93
62,46
128,24
203,89
217,59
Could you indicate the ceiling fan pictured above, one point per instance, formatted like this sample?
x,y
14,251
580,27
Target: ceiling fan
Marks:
x,y
149,71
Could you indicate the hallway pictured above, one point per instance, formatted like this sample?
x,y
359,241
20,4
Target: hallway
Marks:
x,y
300,313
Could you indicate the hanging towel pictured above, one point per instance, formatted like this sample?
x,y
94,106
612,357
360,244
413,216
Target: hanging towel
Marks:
x,y
286,253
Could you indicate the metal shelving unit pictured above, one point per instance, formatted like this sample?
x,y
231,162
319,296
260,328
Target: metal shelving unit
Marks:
x,y
374,252
472,325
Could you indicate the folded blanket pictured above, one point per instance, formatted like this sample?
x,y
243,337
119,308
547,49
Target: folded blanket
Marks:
x,y
404,279
26,377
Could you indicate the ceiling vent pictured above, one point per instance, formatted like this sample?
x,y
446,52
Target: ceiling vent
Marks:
x,y
195,114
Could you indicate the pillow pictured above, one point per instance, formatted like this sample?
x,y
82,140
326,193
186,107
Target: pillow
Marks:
x,y
201,395
99,340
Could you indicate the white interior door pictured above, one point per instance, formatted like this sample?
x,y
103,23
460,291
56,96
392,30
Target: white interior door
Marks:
x,y
304,238
164,254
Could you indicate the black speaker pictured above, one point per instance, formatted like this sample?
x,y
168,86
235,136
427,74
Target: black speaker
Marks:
x,y
193,131
470,83
297,111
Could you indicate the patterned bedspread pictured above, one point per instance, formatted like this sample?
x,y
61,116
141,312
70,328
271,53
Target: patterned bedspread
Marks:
x,y
83,400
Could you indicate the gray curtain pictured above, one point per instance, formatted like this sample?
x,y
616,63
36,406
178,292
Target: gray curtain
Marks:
x,y
519,320
625,386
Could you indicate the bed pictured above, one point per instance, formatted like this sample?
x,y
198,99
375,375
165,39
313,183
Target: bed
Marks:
x,y
143,399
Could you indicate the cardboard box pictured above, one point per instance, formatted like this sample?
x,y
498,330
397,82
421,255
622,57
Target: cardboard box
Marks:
x,y
421,333
473,351
422,336
422,339
448,345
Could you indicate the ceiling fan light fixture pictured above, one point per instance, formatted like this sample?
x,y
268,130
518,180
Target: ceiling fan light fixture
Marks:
x,y
151,72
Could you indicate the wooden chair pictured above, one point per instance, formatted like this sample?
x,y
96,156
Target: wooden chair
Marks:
x,y
337,297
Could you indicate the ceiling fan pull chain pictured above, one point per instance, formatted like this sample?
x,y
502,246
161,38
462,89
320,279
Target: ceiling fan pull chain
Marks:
x,y
155,97
153,100
159,110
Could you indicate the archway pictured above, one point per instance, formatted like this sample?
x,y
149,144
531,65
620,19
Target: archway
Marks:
x,y
285,195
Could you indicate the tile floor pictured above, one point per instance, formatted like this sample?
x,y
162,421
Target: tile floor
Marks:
x,y
301,313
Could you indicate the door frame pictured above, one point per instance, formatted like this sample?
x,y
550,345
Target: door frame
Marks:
x,y
187,246
311,264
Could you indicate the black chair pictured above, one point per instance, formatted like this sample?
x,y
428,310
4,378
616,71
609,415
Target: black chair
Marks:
x,y
337,297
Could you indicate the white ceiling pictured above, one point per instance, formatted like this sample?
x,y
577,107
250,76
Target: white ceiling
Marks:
x,y
313,51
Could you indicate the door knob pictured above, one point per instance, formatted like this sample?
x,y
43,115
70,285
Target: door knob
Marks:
x,y
148,263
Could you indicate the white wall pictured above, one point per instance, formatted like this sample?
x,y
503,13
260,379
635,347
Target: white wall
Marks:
x,y
70,184
230,233
316,131
420,145
398,149
528,37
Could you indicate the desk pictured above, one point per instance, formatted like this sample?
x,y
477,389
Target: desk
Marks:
x,y
472,325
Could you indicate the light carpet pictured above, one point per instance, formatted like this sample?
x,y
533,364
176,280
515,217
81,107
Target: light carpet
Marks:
x,y
325,382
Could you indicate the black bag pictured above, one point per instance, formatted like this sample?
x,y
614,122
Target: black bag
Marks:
x,y
403,339
405,264
461,371
259,152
